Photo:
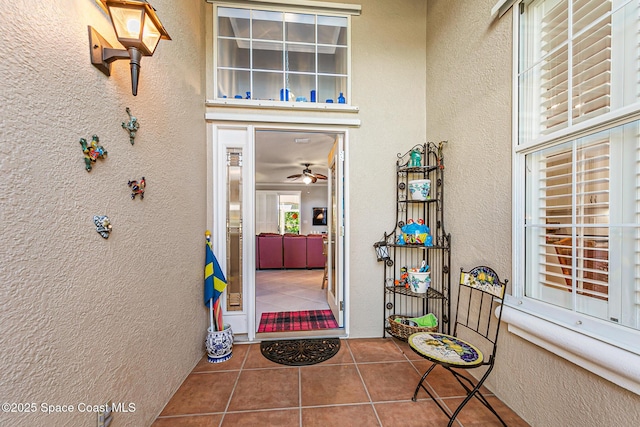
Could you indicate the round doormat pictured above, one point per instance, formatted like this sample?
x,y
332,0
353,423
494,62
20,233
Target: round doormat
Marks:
x,y
300,352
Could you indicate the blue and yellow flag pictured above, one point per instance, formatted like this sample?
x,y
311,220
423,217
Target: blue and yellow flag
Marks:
x,y
214,280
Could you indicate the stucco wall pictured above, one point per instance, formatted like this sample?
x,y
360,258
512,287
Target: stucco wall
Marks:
x,y
469,103
84,319
389,87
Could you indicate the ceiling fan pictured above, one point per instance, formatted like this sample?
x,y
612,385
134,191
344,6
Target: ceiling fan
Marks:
x,y
308,177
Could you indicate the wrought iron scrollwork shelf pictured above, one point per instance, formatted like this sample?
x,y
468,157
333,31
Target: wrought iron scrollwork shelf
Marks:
x,y
431,293
422,163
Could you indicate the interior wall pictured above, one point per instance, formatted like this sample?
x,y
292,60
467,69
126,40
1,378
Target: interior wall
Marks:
x,y
469,91
311,196
86,320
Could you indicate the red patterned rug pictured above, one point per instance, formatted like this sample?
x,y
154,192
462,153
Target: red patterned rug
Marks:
x,y
286,321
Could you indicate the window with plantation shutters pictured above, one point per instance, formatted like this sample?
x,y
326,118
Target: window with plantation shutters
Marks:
x,y
571,245
591,59
577,63
578,151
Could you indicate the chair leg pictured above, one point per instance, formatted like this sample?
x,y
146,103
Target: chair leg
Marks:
x,y
474,392
325,278
421,385
424,377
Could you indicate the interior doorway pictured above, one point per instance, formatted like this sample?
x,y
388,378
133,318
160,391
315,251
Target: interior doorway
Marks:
x,y
289,162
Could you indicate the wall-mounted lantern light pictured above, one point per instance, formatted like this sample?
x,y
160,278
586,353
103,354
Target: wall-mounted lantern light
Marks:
x,y
137,28
382,251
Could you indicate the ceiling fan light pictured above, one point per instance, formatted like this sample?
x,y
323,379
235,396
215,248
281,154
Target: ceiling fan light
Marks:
x,y
307,180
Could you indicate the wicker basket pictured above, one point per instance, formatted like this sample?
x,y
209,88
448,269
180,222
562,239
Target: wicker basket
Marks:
x,y
402,331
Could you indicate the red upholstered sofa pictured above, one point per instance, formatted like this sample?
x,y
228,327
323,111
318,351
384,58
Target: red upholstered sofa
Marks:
x,y
315,257
269,251
295,251
289,251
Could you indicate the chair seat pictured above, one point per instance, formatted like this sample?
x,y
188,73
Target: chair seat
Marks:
x,y
446,349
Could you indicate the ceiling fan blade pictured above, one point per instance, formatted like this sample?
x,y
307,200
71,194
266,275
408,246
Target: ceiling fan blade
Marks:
x,y
298,175
313,179
320,176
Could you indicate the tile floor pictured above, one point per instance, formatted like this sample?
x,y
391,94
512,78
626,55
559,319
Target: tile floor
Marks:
x,y
368,383
289,290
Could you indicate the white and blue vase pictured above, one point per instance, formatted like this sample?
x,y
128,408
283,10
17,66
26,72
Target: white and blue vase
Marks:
x,y
219,344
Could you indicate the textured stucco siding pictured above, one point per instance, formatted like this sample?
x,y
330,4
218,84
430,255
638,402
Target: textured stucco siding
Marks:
x,y
469,102
84,319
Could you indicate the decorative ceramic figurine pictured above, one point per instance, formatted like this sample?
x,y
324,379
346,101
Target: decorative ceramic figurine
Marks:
x,y
416,158
103,225
137,187
132,126
404,278
92,151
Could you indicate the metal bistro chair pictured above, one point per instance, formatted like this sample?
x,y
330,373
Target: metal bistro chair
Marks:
x,y
479,289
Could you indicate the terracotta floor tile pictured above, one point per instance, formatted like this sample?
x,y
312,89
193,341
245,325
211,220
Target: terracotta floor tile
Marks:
x,y
202,393
375,350
406,349
238,354
266,389
390,381
411,414
277,418
343,356
336,392
442,382
351,416
331,385
255,359
475,413
189,421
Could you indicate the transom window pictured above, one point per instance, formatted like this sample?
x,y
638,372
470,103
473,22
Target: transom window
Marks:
x,y
282,56
578,153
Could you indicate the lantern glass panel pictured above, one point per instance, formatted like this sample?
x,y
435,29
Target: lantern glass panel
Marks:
x,y
127,22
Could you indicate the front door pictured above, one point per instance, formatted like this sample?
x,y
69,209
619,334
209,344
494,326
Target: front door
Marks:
x,y
233,222
335,255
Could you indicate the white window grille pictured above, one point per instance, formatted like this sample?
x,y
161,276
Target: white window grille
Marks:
x,y
579,150
273,54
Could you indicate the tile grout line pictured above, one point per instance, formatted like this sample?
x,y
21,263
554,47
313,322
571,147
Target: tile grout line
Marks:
x,y
300,396
233,389
364,385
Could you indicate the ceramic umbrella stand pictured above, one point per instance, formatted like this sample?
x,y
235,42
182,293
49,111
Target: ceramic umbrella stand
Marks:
x,y
219,344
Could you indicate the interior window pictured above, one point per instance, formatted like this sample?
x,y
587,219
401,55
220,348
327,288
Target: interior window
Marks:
x,y
283,56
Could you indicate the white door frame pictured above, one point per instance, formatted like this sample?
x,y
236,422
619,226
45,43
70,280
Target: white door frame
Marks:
x,y
336,252
242,134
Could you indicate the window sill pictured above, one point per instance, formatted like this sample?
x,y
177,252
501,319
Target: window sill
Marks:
x,y
281,105
612,363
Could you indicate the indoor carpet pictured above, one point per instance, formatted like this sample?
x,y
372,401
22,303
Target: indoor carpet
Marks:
x,y
307,320
300,352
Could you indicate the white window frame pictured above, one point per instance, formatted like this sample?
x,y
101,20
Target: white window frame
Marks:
x,y
608,350
341,10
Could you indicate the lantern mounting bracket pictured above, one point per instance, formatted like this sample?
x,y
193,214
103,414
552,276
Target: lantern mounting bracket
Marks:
x,y
102,53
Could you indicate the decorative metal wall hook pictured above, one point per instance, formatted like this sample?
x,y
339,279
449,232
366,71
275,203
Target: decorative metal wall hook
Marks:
x,y
132,126
103,225
92,151
137,187
440,147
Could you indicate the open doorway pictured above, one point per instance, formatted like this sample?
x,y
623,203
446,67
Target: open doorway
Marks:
x,y
292,168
